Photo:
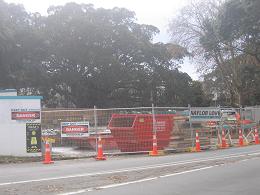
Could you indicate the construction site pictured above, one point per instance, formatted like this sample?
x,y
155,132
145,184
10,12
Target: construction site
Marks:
x,y
131,130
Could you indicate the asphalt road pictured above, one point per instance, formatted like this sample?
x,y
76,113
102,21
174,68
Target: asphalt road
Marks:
x,y
239,178
138,174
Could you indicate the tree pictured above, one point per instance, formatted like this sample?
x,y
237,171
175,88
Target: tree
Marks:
x,y
21,51
239,23
213,30
79,56
105,55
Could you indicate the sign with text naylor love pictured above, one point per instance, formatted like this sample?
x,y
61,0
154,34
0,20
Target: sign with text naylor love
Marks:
x,y
205,114
75,129
26,115
33,137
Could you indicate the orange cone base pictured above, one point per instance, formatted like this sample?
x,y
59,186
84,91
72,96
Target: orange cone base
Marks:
x,y
157,153
47,162
241,143
153,153
244,144
194,150
101,158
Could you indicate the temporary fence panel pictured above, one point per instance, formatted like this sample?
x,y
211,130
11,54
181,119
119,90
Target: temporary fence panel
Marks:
x,y
121,129
131,129
70,145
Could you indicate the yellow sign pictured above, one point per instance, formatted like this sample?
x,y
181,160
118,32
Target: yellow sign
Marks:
x,y
48,139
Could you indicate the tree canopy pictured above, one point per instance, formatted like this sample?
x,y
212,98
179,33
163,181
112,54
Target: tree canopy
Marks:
x,y
224,38
81,56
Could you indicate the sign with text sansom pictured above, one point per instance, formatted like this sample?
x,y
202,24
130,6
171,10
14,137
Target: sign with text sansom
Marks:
x,y
205,114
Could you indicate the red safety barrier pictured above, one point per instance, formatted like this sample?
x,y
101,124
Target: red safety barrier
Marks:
x,y
134,132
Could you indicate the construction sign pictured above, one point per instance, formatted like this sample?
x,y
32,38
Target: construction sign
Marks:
x,y
48,139
201,114
75,129
25,114
33,137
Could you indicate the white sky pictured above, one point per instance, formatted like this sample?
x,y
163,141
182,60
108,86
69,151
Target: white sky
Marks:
x,y
154,12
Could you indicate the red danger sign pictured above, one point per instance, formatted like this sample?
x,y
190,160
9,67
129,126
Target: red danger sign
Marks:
x,y
75,129
28,115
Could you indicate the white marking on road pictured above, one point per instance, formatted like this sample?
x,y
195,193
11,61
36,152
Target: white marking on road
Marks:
x,y
126,183
254,153
189,171
136,181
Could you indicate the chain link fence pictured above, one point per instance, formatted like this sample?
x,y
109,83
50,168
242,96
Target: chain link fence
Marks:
x,y
130,130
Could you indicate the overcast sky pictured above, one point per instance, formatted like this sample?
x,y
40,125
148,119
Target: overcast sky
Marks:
x,y
154,12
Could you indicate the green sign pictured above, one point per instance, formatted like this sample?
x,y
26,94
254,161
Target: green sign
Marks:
x,y
33,137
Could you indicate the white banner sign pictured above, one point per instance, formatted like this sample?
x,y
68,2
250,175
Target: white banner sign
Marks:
x,y
205,114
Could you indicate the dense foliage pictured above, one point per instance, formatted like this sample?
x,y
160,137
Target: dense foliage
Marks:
x,y
79,56
224,37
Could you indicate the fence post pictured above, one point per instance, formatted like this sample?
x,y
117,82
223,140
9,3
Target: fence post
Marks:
x,y
241,119
95,125
154,151
154,121
221,126
191,130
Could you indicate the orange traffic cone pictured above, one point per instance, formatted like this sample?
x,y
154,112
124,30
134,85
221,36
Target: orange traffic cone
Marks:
x,y
241,141
197,141
154,152
256,136
100,155
47,156
223,140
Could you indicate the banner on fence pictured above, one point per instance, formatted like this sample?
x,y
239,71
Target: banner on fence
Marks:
x,y
201,114
75,129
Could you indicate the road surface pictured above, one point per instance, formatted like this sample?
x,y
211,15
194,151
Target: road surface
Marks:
x,y
230,171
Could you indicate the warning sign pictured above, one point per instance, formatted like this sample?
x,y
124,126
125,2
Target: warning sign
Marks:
x,y
28,115
33,137
75,129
